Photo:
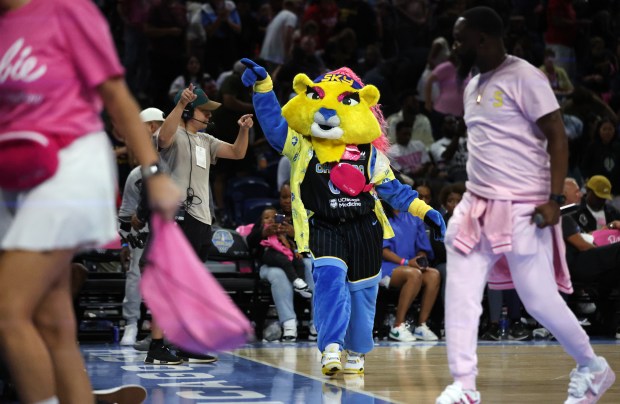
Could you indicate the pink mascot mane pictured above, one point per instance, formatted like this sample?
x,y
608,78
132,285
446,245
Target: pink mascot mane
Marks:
x,y
381,143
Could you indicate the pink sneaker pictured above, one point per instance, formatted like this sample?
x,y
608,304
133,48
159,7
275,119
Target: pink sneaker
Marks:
x,y
587,387
454,394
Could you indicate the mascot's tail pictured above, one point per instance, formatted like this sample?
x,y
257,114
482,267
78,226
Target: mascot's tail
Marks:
x,y
381,143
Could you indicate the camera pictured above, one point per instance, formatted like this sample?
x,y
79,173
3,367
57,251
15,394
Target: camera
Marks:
x,y
137,241
422,262
279,218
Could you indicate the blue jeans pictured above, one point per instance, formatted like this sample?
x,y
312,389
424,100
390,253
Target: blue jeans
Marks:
x,y
282,289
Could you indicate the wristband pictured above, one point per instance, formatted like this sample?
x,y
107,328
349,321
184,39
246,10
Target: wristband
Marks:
x,y
406,263
402,261
124,245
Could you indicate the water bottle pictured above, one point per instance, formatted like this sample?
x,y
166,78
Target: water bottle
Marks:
x,y
503,324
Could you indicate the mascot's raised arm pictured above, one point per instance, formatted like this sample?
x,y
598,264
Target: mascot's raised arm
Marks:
x,y
333,132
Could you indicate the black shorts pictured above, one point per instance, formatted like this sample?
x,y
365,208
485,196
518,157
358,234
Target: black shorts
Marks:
x,y
358,242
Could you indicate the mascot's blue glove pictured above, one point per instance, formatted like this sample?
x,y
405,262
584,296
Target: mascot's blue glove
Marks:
x,y
253,73
435,221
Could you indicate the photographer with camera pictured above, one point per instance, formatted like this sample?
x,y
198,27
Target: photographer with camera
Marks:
x,y
405,266
134,235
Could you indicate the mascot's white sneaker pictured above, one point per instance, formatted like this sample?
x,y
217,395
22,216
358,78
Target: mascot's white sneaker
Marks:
x,y
354,364
330,361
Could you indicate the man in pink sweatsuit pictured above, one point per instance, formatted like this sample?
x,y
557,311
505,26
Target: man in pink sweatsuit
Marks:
x,y
516,168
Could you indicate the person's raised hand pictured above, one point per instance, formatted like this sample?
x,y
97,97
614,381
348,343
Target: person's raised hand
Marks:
x,y
246,121
187,95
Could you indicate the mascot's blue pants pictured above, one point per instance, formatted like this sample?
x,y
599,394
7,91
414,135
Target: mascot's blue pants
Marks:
x,y
343,313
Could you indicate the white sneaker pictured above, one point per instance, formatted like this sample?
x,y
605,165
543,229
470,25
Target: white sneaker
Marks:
x,y
454,394
354,364
588,387
301,287
330,361
385,281
401,333
289,333
130,334
312,333
424,333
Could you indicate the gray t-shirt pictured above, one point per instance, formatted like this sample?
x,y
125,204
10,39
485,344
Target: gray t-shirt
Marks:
x,y
131,193
204,148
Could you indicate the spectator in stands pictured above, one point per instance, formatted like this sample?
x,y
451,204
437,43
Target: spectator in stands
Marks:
x,y
439,52
236,101
602,156
450,129
131,251
194,73
44,221
516,329
561,34
599,68
325,14
450,196
223,26
594,212
134,13
586,261
165,28
410,111
281,287
341,50
558,78
406,266
284,171
456,154
360,16
279,250
278,41
407,155
450,98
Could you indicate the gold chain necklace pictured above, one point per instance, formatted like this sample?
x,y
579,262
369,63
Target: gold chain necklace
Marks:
x,y
481,90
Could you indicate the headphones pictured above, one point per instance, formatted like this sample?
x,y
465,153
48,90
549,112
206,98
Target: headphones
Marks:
x,y
188,112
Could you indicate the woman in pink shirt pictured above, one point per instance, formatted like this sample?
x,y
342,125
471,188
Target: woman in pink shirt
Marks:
x,y
58,69
450,98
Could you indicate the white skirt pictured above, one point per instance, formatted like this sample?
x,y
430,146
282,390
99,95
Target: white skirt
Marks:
x,y
73,209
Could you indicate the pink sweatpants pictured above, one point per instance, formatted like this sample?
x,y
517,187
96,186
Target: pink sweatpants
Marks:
x,y
531,269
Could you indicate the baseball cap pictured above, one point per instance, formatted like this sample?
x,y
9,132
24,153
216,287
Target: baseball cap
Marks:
x,y
600,185
201,101
152,114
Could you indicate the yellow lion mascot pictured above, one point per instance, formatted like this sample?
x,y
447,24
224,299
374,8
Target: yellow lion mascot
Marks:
x,y
333,133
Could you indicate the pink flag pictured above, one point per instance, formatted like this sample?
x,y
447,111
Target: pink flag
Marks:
x,y
185,299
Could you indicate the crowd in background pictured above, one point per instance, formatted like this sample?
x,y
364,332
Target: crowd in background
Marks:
x,y
401,46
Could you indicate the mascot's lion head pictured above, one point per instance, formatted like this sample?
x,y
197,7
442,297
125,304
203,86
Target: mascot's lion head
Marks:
x,y
335,110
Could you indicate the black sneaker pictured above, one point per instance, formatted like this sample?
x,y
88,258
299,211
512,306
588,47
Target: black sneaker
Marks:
x,y
160,354
195,358
493,333
518,332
